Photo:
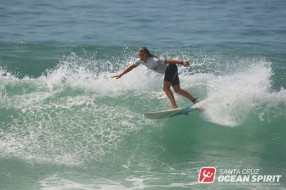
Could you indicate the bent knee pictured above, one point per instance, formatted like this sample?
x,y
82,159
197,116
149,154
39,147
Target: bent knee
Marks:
x,y
166,88
177,90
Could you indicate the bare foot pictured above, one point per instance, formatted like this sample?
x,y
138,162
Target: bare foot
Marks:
x,y
195,101
174,107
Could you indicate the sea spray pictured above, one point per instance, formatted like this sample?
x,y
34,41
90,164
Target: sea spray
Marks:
x,y
230,97
66,116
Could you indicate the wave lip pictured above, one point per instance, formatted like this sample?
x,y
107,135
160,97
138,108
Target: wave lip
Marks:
x,y
230,98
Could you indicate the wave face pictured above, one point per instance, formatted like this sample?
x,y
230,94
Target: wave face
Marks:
x,y
66,124
74,116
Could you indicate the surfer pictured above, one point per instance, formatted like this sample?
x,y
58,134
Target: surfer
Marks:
x,y
167,67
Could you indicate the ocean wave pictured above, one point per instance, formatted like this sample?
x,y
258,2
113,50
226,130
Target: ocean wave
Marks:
x,y
76,113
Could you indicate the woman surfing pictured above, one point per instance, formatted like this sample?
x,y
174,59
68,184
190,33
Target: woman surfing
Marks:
x,y
168,67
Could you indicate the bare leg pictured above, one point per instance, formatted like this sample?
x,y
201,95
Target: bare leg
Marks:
x,y
166,87
184,93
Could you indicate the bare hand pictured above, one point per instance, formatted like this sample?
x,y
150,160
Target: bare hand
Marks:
x,y
186,63
117,76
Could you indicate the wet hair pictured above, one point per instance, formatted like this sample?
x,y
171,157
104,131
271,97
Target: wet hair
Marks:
x,y
145,50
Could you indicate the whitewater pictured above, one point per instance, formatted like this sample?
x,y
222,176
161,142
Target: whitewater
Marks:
x,y
66,124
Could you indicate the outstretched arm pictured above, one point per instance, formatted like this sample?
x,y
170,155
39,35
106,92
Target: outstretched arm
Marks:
x,y
172,61
128,69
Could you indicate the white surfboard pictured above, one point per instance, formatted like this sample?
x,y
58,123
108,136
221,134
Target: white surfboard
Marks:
x,y
169,113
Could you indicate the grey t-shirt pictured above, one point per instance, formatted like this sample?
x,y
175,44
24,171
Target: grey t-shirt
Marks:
x,y
156,64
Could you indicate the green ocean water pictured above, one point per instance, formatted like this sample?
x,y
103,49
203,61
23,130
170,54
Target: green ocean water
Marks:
x,y
65,124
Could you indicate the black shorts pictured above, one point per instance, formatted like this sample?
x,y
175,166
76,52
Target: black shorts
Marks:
x,y
171,74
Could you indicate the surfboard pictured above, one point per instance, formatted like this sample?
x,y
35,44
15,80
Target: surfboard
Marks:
x,y
169,113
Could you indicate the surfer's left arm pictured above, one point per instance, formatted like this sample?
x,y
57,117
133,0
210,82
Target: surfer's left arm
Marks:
x,y
172,61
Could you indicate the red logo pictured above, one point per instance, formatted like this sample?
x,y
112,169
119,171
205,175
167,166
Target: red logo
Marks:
x,y
207,174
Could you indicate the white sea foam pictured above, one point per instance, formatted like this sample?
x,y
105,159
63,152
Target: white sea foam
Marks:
x,y
56,182
231,97
70,114
73,114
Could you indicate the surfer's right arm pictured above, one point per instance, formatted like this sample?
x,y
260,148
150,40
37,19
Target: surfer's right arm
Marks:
x,y
128,69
